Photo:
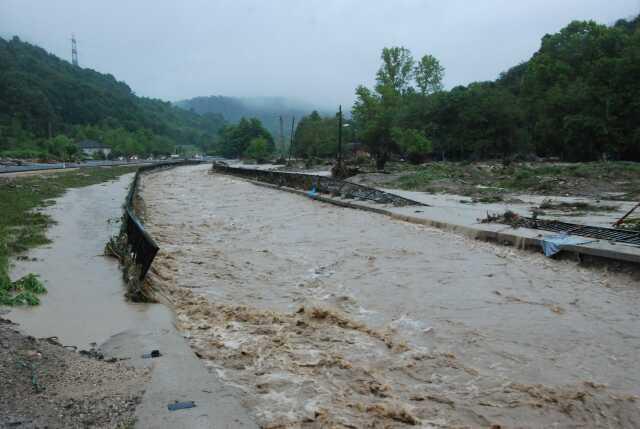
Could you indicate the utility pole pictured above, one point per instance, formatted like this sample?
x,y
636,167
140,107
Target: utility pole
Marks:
x,y
293,123
282,152
74,51
340,138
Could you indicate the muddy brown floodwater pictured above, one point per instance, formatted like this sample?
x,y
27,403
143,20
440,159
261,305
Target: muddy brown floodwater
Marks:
x,y
326,316
85,303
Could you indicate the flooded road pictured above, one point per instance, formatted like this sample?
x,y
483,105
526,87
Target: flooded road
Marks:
x,y
325,316
85,301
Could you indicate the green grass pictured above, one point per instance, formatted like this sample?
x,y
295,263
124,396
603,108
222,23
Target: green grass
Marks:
x,y
23,227
578,206
419,178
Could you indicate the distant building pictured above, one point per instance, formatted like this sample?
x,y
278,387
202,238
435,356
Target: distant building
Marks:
x,y
92,147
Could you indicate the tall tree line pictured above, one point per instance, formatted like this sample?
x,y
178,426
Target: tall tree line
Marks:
x,y
577,98
247,139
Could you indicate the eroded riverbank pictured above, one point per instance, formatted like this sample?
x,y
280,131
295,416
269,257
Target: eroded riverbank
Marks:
x,y
330,316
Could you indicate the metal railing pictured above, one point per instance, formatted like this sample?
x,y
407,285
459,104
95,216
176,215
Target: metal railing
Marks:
x,y
67,165
141,246
321,184
597,232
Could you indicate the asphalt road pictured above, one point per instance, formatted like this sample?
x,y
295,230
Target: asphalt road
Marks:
x,y
63,165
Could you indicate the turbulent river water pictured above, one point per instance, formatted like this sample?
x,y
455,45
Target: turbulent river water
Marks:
x,y
326,316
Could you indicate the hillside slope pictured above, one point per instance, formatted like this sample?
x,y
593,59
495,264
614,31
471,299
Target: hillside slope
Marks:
x,y
42,95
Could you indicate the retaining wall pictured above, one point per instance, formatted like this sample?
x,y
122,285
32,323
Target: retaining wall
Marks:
x,y
141,246
319,184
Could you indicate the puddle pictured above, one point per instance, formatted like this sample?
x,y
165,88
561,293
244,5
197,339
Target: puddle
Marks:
x,y
85,301
325,316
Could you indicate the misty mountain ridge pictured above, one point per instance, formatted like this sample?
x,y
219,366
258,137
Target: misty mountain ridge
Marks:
x,y
267,109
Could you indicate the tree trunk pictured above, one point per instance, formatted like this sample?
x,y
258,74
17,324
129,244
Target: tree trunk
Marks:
x,y
381,160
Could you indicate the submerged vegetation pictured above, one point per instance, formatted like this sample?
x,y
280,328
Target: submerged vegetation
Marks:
x,y
23,226
22,291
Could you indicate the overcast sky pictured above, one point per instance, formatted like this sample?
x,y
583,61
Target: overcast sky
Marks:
x,y
313,50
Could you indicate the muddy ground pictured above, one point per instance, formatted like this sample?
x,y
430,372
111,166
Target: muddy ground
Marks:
x,y
493,181
330,317
84,305
45,385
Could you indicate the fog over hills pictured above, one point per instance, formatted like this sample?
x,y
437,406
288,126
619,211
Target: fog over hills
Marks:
x,y
267,109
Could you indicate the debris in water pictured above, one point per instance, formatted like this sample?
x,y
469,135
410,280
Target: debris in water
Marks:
x,y
508,217
181,405
152,355
395,412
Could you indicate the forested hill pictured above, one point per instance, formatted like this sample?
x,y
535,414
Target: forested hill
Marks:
x,y
576,99
42,95
267,109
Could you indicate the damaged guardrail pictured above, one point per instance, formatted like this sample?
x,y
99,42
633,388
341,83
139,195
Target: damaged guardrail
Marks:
x,y
622,236
321,184
140,247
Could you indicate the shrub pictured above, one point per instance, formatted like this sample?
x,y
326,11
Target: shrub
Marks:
x,y
412,143
258,150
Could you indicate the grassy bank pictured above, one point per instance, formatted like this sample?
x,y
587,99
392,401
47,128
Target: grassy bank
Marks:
x,y
492,180
23,226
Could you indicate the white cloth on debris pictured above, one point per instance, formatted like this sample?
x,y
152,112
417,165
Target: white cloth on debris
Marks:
x,y
552,244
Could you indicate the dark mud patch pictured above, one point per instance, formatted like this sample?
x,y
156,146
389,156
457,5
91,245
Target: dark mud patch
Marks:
x,y
482,179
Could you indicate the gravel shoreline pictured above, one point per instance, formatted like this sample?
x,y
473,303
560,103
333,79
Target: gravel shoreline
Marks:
x,y
45,384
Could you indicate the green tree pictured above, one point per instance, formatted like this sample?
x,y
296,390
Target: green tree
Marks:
x,y
316,136
258,150
397,71
429,74
412,143
63,148
579,92
234,139
373,124
375,112
577,98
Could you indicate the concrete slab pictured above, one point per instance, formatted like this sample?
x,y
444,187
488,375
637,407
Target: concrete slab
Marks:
x,y
178,375
447,214
448,207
